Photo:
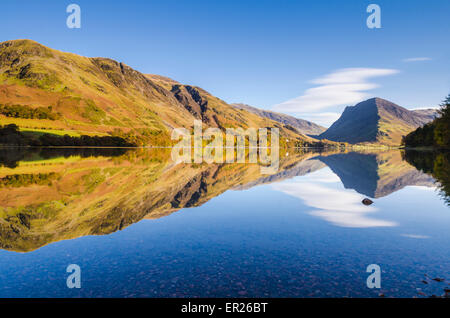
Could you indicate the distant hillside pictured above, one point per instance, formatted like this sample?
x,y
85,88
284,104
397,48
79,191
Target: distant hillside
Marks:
x,y
45,91
375,121
431,113
303,126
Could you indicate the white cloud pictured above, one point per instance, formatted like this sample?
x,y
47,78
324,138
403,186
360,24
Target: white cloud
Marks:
x,y
417,59
342,87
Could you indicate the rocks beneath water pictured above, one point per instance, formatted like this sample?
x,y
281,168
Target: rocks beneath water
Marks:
x,y
430,280
367,201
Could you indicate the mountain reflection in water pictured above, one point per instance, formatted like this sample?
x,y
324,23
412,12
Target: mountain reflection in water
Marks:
x,y
49,195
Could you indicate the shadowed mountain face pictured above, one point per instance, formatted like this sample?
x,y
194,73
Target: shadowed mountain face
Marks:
x,y
376,121
375,175
48,195
303,126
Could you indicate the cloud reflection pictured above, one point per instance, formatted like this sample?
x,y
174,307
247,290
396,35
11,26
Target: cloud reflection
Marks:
x,y
337,206
415,236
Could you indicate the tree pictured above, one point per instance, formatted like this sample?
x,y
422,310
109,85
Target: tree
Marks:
x,y
435,134
442,130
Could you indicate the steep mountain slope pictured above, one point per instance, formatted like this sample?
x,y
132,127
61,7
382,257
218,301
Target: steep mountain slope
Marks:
x,y
303,126
99,96
375,121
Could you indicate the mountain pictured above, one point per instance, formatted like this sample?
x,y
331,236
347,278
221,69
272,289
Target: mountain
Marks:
x,y
302,126
43,90
375,120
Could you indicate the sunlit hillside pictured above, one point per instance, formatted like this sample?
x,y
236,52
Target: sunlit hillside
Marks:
x,y
47,91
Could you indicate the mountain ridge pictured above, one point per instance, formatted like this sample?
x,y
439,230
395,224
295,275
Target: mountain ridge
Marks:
x,y
375,120
100,96
303,126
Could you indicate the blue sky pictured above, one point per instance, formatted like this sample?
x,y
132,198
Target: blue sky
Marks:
x,y
308,58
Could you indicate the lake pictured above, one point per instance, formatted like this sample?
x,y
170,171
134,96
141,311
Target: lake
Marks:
x,y
139,225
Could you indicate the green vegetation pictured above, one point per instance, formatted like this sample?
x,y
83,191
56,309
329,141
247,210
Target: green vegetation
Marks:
x,y
32,157
24,111
23,180
93,179
90,141
10,135
40,132
435,134
93,112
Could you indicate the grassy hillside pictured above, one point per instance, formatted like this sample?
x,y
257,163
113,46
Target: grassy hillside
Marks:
x,y
42,89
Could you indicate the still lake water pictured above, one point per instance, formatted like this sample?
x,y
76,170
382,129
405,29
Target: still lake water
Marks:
x,y
138,226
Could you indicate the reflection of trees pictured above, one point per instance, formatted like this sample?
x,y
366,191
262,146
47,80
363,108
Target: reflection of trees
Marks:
x,y
23,180
9,157
434,163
